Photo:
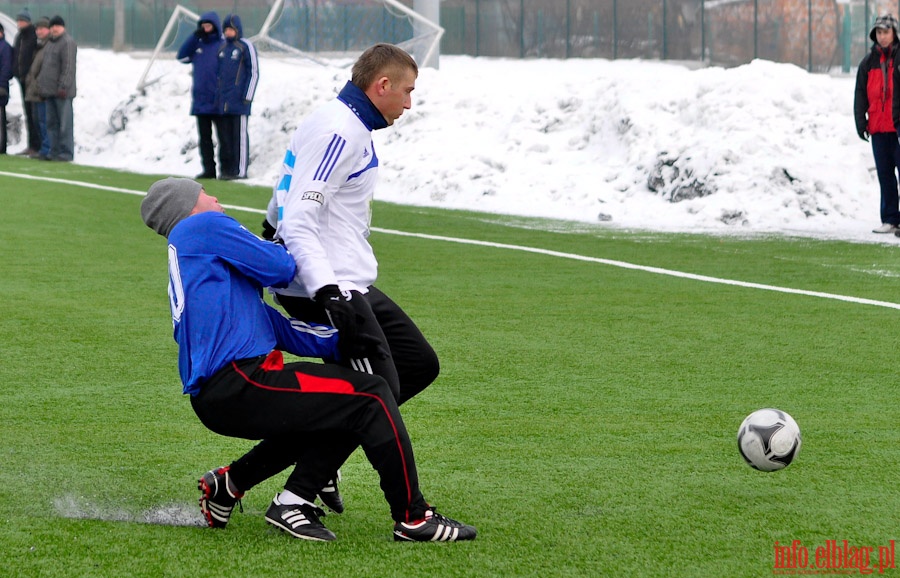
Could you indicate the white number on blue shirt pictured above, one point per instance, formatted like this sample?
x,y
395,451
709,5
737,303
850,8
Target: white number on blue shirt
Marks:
x,y
176,289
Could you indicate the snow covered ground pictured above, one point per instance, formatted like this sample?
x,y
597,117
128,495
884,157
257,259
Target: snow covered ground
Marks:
x,y
632,144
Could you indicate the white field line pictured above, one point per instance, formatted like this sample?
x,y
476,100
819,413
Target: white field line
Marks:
x,y
573,256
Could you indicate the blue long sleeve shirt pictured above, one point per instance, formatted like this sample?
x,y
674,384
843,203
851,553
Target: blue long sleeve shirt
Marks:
x,y
217,269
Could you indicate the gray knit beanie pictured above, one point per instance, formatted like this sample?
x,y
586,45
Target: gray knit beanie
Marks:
x,y
168,202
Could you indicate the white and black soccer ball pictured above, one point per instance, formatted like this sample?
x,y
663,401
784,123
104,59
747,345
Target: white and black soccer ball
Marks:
x,y
769,439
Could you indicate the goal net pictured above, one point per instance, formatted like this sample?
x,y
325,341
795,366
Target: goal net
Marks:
x,y
344,28
182,23
317,30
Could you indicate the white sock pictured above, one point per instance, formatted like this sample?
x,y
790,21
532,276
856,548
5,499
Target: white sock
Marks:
x,y
289,498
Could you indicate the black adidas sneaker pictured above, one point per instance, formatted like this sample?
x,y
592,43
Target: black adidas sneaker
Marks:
x,y
218,495
331,496
300,521
434,528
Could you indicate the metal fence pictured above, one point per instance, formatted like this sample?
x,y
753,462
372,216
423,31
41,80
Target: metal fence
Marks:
x,y
819,35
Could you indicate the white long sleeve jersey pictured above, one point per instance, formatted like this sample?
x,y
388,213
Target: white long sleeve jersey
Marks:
x,y
323,201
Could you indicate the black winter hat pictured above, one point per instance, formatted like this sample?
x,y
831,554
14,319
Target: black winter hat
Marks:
x,y
884,22
57,21
24,16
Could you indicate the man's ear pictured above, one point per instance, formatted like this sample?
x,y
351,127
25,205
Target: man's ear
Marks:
x,y
382,84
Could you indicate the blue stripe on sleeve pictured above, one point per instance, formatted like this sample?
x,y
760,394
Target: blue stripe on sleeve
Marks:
x,y
336,157
285,184
330,159
289,159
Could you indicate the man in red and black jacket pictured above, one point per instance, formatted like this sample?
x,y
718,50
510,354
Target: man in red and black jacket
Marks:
x,y
876,113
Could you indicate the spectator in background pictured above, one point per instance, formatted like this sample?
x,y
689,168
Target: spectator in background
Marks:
x,y
872,109
56,84
24,49
201,50
6,74
238,77
33,98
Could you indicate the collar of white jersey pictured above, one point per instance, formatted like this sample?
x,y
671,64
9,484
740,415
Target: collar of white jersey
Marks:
x,y
359,103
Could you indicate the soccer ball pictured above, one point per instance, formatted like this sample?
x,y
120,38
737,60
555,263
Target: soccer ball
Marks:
x,y
769,439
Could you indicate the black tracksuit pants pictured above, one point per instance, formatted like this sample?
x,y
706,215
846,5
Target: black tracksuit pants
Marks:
x,y
412,365
297,409
205,124
235,141
410,368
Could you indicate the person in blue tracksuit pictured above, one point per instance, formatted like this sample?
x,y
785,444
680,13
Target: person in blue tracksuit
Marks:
x,y
201,50
238,78
230,344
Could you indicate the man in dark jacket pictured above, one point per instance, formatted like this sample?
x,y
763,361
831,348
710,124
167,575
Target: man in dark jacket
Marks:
x,y
6,73
33,93
24,50
875,113
238,77
56,84
202,51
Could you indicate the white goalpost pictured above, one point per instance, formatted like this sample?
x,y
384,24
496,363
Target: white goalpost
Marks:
x,y
364,22
422,42
315,30
166,41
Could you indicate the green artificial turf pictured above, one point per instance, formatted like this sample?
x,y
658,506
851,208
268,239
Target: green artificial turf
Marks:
x,y
584,420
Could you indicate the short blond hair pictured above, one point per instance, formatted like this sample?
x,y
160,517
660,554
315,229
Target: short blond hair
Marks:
x,y
381,60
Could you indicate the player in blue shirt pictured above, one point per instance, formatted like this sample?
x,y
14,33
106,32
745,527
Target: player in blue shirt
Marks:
x,y
230,345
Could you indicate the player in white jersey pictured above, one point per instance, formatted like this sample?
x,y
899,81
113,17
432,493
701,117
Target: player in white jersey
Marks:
x,y
321,211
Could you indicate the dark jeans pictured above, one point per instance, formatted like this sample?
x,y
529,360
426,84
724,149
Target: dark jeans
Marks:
x,y
31,123
2,130
886,150
61,128
39,111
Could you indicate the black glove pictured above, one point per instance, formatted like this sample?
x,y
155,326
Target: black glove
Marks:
x,y
3,93
864,134
268,231
353,342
